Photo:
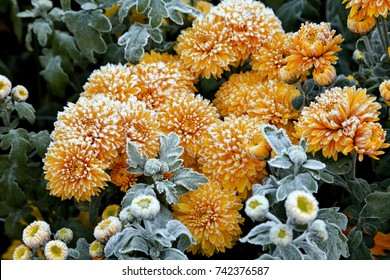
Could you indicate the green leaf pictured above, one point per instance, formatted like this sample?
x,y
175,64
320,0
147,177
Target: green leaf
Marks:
x,y
339,167
88,28
355,238
313,164
377,206
291,13
42,29
124,8
41,141
177,7
25,111
283,162
142,6
157,12
330,215
93,209
359,188
12,226
82,246
307,181
188,178
19,142
298,102
259,235
277,139
66,45
73,253
172,254
168,188
170,151
288,252
136,160
137,243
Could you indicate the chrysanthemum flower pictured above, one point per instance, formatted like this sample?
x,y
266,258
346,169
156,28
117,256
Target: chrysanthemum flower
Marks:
x,y
19,93
369,7
271,102
205,48
64,234
56,250
22,252
331,123
96,249
73,170
107,228
271,56
119,175
233,96
281,235
94,121
114,81
211,213
257,207
5,87
141,126
258,147
302,207
250,22
325,75
314,45
369,140
224,155
36,234
126,215
111,210
360,23
384,90
189,117
145,207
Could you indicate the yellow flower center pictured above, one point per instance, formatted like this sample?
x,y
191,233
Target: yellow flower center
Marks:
x,y
282,233
253,204
33,230
77,169
56,251
20,253
144,203
105,224
305,205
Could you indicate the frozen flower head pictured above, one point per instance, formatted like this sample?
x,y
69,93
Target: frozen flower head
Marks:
x,y
233,96
19,93
330,124
190,117
211,213
64,234
369,7
114,81
224,155
302,207
111,211
318,228
358,56
141,126
152,166
256,207
56,250
205,48
95,121
119,175
369,140
281,235
73,170
145,207
297,155
258,147
107,228
314,45
324,75
22,252
384,90
36,234
250,22
125,215
96,249
360,23
5,87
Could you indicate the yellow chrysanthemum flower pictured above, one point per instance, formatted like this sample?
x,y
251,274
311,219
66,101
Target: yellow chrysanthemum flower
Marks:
x,y
325,75
369,7
111,211
225,156
233,96
250,22
119,175
114,81
384,90
331,124
188,116
93,120
205,48
360,23
73,170
314,45
211,214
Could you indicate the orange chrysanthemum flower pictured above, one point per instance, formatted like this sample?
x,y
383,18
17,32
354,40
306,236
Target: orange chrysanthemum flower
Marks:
x,y
369,139
119,175
211,214
360,23
250,22
205,48
384,90
324,76
225,156
73,170
233,96
114,81
382,243
369,7
271,56
314,45
189,117
141,126
93,120
331,124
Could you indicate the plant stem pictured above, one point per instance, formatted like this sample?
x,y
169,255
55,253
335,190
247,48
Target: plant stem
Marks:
x,y
149,230
352,173
382,30
369,50
300,238
301,91
273,218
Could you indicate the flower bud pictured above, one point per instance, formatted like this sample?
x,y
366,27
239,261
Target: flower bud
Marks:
x,y
289,77
111,211
22,252
145,207
324,76
125,215
56,250
358,56
64,234
36,234
360,23
152,167
297,155
96,249
19,93
5,87
256,207
107,228
281,235
302,207
318,228
258,148
384,90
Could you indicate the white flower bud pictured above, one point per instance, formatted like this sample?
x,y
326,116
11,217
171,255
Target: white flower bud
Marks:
x,y
145,207
107,228
36,234
302,207
256,207
19,93
22,252
5,87
125,215
64,234
96,249
281,235
152,167
56,250
318,228
297,155
46,4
